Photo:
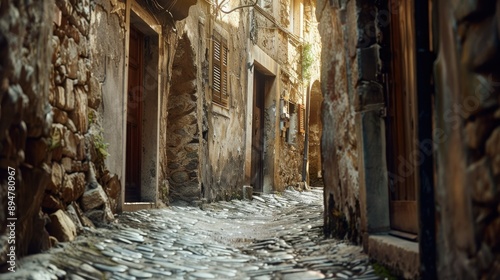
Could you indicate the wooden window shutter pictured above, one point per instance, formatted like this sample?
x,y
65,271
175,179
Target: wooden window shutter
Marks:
x,y
302,118
220,93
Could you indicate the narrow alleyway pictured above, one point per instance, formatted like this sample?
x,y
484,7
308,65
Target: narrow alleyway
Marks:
x,y
271,237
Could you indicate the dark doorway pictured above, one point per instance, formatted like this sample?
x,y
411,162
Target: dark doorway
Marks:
x,y
315,131
258,132
402,153
134,117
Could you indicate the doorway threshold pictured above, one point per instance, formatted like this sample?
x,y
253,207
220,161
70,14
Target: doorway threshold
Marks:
x,y
135,206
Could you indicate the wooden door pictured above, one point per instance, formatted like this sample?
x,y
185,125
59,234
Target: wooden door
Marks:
x,y
134,117
257,171
401,120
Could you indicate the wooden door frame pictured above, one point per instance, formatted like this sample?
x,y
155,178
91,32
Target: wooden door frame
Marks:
x,y
131,6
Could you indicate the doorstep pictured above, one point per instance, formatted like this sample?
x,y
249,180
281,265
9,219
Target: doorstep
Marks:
x,y
399,255
135,206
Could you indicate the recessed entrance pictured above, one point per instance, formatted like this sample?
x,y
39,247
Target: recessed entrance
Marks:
x,y
257,179
315,131
142,113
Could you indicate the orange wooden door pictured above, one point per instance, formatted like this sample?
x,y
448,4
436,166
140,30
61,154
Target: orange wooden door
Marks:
x,y
134,117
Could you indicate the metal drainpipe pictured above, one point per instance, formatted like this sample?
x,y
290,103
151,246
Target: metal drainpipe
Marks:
x,y
426,206
306,140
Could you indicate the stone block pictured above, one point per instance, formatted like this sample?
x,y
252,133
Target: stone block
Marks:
x,y
477,131
95,93
493,151
73,187
96,216
70,144
113,187
180,176
83,71
74,217
69,95
79,115
86,222
80,150
70,57
60,116
248,192
51,202
56,180
61,226
480,180
71,126
60,98
67,163
93,198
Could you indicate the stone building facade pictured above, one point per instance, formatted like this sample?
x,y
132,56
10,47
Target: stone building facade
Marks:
x,y
112,105
410,122
64,115
243,82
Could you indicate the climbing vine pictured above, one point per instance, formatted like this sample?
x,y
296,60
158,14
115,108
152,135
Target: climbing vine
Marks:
x,y
307,60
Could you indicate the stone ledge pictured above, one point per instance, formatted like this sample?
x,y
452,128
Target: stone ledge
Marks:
x,y
401,256
135,206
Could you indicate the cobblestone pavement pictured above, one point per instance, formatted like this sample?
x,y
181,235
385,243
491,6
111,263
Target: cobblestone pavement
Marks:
x,y
270,237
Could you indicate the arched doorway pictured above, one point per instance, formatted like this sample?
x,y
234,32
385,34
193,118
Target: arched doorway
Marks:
x,y
183,145
315,130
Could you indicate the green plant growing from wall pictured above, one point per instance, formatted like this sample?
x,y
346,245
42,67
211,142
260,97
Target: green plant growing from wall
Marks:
x,y
91,117
307,60
55,139
101,146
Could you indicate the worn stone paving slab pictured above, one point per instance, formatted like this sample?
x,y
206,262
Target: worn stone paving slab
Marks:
x,y
274,236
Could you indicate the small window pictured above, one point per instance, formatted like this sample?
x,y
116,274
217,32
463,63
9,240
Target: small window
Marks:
x,y
220,93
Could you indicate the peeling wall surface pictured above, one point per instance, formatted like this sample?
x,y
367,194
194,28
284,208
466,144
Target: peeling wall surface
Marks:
x,y
339,140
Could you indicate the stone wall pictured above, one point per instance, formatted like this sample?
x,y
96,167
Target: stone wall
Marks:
x,y
25,57
77,146
467,114
52,131
183,135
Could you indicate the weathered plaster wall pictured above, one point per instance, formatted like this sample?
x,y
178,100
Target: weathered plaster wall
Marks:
x,y
225,137
107,38
337,26
273,33
467,116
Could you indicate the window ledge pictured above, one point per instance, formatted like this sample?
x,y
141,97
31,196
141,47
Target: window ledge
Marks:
x,y
219,110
